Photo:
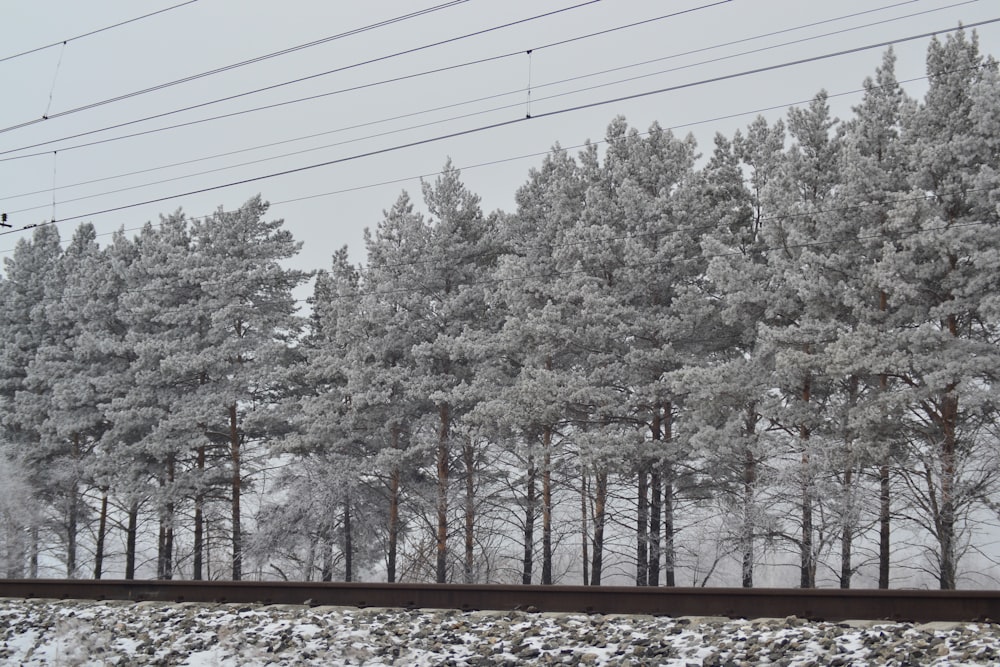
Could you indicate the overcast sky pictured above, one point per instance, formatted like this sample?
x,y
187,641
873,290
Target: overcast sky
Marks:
x,y
329,206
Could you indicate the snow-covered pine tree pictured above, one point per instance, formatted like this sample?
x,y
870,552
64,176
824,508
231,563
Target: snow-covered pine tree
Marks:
x,y
798,324
456,258
31,284
532,402
245,296
60,398
388,322
873,177
942,277
721,385
149,433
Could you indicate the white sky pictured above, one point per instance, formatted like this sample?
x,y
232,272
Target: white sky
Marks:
x,y
208,34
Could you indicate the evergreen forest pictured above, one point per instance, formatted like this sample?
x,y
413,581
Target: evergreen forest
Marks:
x,y
774,361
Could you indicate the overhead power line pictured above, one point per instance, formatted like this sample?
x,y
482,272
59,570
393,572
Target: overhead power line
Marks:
x,y
344,68
514,121
340,91
479,165
94,32
479,61
411,114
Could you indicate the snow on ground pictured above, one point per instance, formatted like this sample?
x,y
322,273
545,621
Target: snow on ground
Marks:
x,y
80,633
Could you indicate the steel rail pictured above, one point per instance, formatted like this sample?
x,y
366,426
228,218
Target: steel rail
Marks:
x,y
816,604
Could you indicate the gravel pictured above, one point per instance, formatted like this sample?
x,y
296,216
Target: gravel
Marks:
x,y
48,632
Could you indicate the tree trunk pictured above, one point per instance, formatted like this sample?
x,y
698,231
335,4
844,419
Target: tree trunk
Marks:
x,y
949,442
807,571
469,459
199,505
527,561
130,535
442,495
33,561
669,523
393,545
669,528
655,504
71,524
747,537
102,528
165,542
348,541
641,526
547,506
208,550
73,512
884,525
883,480
600,506
326,569
846,539
584,530
847,530
946,514
749,485
237,488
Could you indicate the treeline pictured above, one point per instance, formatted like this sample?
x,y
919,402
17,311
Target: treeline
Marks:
x,y
660,367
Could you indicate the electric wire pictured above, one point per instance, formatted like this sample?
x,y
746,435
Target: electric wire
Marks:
x,y
396,79
282,84
631,236
233,66
317,148
94,32
506,123
452,118
533,155
536,154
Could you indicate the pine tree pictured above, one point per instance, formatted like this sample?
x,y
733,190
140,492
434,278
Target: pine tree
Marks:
x,y
873,178
533,403
457,254
938,276
722,385
29,287
246,298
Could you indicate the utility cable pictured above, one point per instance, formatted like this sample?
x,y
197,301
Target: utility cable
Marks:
x,y
284,155
444,107
94,32
536,154
481,99
363,86
526,156
514,121
344,68
326,146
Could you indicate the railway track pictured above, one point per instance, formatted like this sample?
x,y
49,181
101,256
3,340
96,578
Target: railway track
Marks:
x,y
816,604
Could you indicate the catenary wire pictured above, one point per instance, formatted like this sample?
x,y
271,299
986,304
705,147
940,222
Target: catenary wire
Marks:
x,y
627,237
94,32
323,147
233,66
507,123
358,87
282,84
480,99
526,156
422,125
